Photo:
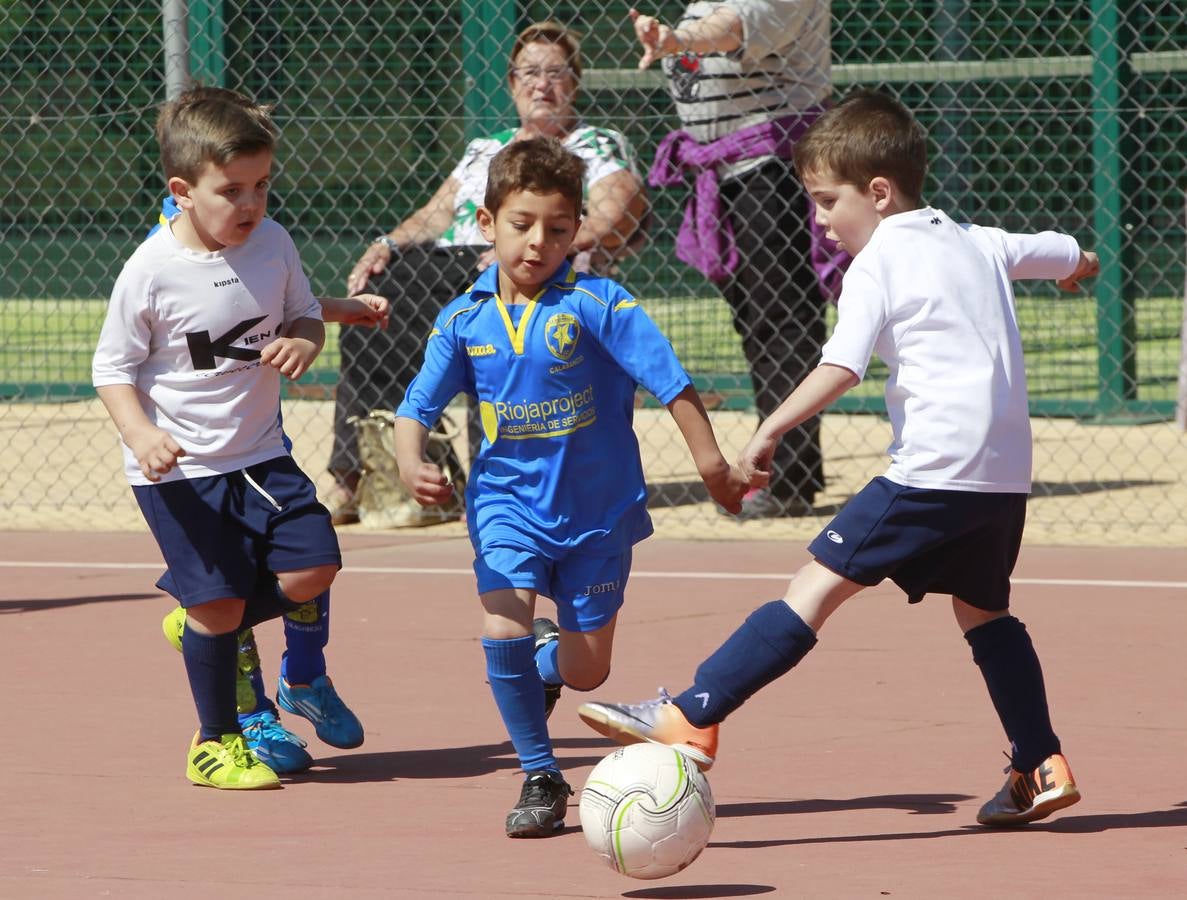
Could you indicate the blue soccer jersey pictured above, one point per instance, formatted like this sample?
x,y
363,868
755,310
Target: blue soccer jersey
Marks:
x,y
559,469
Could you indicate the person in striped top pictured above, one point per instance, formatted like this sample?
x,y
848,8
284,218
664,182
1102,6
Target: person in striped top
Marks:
x,y
748,77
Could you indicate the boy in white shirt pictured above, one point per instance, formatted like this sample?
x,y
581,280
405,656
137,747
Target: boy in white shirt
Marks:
x,y
934,300
205,317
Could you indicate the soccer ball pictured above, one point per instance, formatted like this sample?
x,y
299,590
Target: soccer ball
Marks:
x,y
647,810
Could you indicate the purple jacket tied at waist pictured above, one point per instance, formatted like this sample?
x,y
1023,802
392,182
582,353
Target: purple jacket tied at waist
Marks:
x,y
706,238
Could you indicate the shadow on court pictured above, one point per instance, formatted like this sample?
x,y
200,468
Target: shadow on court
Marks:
x,y
1163,818
43,604
700,891
915,804
443,762
1159,818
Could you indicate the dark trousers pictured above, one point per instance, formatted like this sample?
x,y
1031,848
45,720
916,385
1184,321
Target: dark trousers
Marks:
x,y
777,310
377,366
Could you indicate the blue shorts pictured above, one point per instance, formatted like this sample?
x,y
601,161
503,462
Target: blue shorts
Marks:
x,y
221,533
927,541
588,590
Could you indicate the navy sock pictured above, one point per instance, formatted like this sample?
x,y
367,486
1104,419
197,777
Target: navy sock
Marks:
x,y
767,645
1008,662
546,663
306,633
210,666
519,694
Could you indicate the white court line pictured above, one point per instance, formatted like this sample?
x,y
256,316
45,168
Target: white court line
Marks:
x,y
709,576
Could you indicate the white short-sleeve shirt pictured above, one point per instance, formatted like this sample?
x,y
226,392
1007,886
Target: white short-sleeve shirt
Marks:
x,y
934,300
186,330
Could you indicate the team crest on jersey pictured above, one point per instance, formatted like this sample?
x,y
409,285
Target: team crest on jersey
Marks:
x,y
561,333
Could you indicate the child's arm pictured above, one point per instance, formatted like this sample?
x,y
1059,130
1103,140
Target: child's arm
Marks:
x,y
426,482
823,386
294,353
726,483
154,448
1087,267
361,309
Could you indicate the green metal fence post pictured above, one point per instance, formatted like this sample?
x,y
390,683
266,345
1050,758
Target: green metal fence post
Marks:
x,y
488,28
1116,336
208,54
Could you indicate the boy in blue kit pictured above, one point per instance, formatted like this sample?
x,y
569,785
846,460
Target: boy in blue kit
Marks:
x,y
303,687
934,300
205,317
556,497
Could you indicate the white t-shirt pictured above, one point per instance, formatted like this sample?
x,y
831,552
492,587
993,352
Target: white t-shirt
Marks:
x,y
604,150
781,68
934,300
186,329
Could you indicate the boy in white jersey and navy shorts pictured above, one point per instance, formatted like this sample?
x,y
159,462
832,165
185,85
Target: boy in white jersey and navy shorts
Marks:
x,y
205,317
555,500
934,300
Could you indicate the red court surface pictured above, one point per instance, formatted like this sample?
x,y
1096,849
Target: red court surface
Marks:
x,y
858,775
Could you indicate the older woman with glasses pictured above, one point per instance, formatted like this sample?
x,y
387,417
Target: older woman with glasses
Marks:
x,y
430,256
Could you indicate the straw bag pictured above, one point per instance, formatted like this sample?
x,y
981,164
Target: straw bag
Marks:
x,y
383,500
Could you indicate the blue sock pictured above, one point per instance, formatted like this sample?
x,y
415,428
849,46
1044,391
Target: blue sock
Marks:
x,y
767,645
306,633
546,663
1003,651
210,666
262,703
519,694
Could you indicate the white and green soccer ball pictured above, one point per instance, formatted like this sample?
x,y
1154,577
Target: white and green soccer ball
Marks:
x,y
647,811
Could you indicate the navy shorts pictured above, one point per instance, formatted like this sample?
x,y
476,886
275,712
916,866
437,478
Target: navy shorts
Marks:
x,y
927,541
221,533
588,590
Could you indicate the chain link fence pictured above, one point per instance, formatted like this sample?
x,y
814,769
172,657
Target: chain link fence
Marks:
x,y
1042,114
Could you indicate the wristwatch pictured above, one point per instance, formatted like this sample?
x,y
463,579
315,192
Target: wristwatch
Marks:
x,y
388,241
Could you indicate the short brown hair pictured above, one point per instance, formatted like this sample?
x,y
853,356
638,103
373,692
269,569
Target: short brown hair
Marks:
x,y
549,32
210,124
868,134
540,165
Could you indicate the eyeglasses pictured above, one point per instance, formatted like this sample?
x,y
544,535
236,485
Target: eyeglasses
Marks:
x,y
552,74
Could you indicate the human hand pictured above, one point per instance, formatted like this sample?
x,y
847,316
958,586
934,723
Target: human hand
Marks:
x,y
755,460
1087,267
155,450
727,487
486,260
292,356
427,483
373,261
658,39
367,309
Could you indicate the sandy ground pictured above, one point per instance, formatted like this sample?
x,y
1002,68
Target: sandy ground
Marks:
x,y
1094,485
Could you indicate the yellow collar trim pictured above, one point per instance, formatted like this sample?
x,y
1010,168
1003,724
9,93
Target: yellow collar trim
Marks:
x,y
518,335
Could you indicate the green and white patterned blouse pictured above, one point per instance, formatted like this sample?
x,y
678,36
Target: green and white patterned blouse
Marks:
x,y
604,150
